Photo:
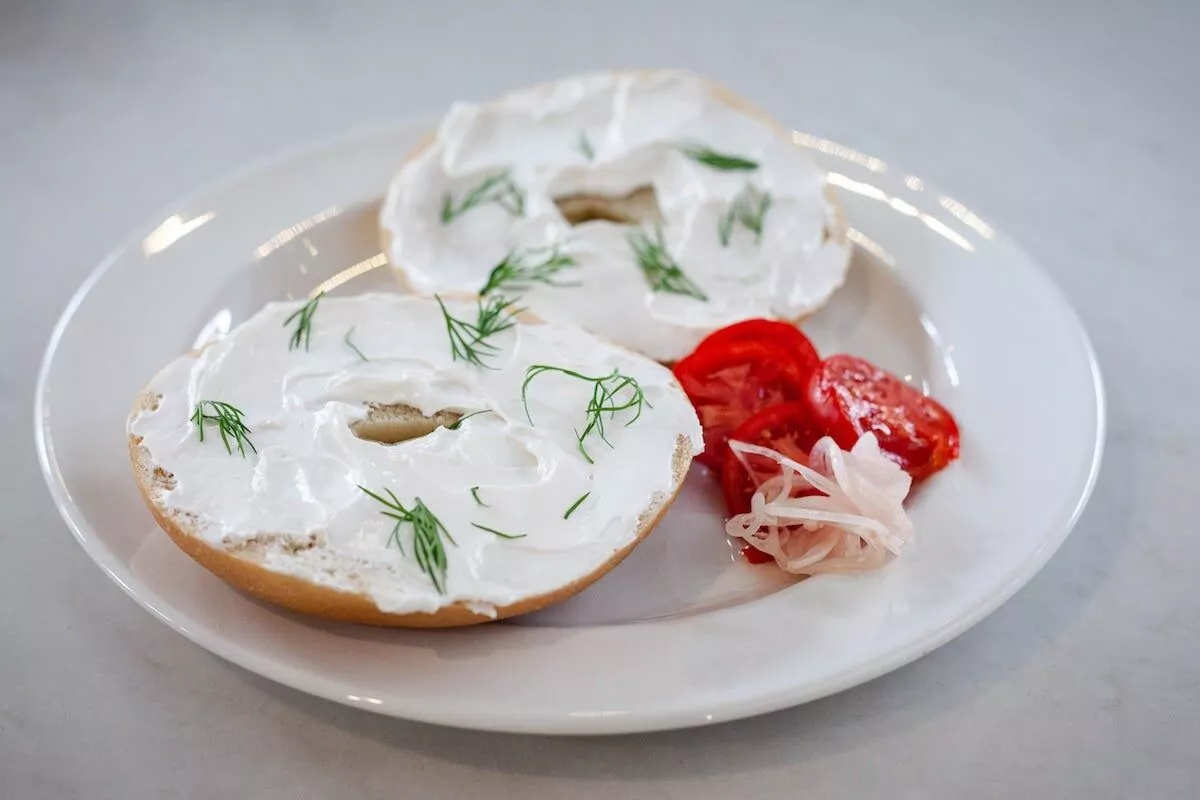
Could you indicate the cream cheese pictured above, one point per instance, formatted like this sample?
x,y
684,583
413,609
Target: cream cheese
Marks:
x,y
611,134
303,480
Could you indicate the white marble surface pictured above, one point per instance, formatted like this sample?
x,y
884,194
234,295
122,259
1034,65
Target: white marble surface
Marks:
x,y
1072,126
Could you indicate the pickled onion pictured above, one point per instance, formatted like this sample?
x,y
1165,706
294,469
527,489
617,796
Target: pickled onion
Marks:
x,y
856,522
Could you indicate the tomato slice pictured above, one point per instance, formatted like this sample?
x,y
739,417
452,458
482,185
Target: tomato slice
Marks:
x,y
850,396
768,331
730,382
787,428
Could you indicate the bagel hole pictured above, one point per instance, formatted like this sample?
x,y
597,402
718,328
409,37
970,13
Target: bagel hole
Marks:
x,y
636,208
400,423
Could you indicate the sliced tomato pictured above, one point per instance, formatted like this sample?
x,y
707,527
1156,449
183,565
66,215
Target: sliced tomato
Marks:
x,y
769,331
730,382
787,428
851,396
756,556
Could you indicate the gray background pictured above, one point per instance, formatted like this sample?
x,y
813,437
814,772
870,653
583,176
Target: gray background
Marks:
x,y
1072,126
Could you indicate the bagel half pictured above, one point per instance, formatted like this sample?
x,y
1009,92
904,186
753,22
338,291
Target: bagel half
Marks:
x,y
250,564
637,207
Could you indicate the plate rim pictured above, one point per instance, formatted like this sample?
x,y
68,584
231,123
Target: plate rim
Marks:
x,y
320,686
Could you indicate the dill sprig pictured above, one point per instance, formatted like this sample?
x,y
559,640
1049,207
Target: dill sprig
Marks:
x,y
469,340
497,188
493,316
576,505
659,267
585,147
428,531
463,338
611,394
453,426
351,345
519,269
228,420
501,534
722,161
749,207
475,497
303,317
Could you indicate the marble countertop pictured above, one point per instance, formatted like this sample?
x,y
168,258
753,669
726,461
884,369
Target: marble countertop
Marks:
x,y
1071,125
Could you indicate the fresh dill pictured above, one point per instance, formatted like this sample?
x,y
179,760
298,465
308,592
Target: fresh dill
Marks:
x,y
493,316
611,394
453,426
351,345
228,420
497,188
659,267
748,207
725,225
501,534
469,340
576,505
520,269
428,532
722,161
585,147
303,317
475,496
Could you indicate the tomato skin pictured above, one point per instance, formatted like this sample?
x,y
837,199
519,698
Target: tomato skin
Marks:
x,y
787,428
730,382
850,396
768,331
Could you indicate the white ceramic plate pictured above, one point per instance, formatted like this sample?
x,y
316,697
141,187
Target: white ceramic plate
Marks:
x,y
683,632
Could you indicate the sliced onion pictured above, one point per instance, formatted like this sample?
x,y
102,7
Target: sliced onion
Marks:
x,y
856,523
